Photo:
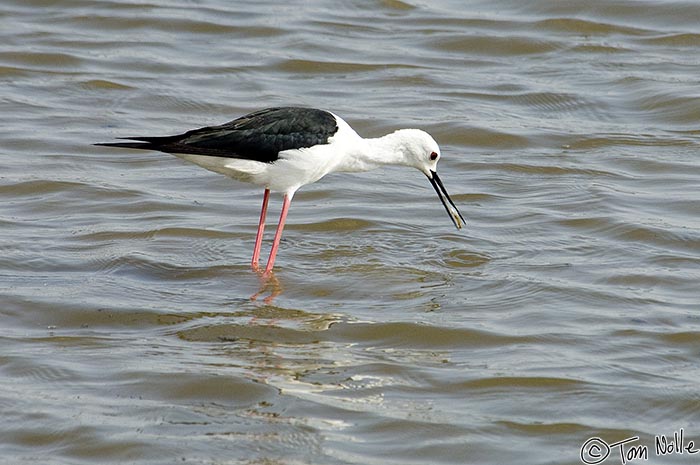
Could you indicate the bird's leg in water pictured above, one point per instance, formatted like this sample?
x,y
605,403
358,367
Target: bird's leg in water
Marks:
x,y
278,234
268,282
261,229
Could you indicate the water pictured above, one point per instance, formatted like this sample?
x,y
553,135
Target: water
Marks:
x,y
566,309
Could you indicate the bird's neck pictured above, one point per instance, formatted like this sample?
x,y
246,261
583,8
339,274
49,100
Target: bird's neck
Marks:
x,y
377,152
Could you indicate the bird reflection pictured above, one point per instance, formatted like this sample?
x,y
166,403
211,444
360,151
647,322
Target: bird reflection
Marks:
x,y
268,283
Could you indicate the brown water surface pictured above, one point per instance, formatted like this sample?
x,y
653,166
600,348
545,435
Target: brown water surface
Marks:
x,y
568,308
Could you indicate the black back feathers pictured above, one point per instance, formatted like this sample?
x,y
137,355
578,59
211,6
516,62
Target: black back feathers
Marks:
x,y
259,136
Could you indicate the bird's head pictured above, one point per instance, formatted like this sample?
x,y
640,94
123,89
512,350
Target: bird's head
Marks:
x,y
419,150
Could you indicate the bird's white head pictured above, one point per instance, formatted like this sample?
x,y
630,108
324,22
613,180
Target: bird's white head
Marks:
x,y
418,149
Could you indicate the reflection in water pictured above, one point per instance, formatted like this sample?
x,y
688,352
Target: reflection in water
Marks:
x,y
268,283
322,361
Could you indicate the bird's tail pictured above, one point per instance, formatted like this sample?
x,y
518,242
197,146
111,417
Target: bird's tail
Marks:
x,y
145,143
127,145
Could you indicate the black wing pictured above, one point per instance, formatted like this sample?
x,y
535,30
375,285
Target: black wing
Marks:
x,y
257,136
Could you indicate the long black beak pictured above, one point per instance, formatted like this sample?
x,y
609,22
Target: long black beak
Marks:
x,y
449,205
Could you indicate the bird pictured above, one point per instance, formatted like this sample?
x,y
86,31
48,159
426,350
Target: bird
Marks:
x,y
284,148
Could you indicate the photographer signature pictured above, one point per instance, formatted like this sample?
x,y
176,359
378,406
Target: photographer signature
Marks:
x,y
595,450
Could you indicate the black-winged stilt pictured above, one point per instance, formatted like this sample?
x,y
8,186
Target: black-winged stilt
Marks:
x,y
283,149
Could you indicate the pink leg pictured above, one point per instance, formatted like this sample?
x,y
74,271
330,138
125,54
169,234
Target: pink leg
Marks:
x,y
278,234
261,228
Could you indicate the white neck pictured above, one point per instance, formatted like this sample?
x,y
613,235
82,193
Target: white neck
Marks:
x,y
368,154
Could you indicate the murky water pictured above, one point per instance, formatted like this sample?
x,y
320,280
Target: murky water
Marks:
x,y
567,309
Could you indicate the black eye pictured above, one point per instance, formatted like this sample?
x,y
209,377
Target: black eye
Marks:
x,y
433,156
